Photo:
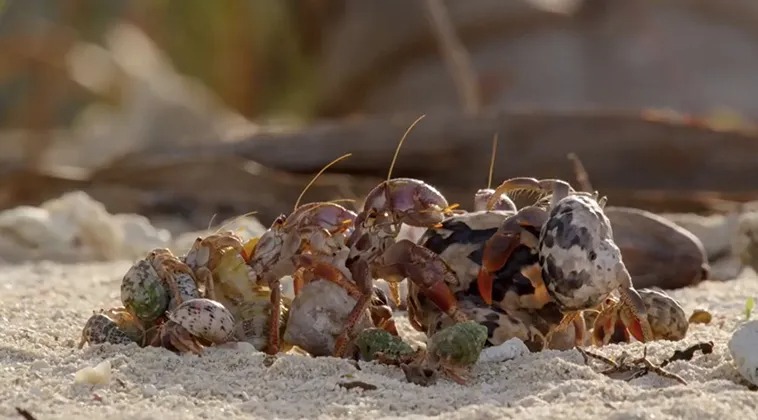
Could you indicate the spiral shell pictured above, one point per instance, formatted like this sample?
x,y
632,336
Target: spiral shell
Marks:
x,y
458,344
101,329
205,319
143,293
371,341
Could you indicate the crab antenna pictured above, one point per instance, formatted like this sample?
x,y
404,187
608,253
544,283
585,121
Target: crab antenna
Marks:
x,y
343,200
397,149
250,213
210,222
302,193
492,160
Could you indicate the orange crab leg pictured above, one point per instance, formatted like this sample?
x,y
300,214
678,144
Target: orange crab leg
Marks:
x,y
497,251
327,271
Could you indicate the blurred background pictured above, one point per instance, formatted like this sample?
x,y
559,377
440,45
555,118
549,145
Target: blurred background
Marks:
x,y
185,110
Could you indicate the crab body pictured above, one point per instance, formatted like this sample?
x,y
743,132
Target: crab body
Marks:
x,y
206,252
580,264
403,198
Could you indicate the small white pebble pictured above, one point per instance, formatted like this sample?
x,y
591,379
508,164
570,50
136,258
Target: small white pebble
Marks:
x,y
149,390
39,365
742,346
98,375
238,346
509,350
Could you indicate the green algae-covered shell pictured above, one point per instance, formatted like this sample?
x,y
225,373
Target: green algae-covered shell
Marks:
x,y
459,343
143,293
374,340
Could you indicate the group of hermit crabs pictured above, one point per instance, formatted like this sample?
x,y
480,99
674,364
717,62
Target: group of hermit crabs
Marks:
x,y
549,274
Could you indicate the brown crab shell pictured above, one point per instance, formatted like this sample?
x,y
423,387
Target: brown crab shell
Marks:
x,y
656,251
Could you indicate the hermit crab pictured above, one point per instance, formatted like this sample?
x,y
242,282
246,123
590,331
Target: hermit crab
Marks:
x,y
194,324
667,319
521,306
114,326
451,352
580,263
371,250
156,283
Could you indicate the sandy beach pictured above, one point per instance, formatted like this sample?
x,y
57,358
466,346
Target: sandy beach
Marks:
x,y
43,307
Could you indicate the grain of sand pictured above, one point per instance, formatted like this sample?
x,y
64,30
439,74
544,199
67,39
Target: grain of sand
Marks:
x,y
43,307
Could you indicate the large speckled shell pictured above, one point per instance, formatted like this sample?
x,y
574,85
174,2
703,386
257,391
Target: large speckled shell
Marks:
x,y
459,344
317,317
101,329
143,293
657,252
205,319
581,263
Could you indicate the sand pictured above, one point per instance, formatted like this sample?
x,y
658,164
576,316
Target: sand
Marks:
x,y
44,305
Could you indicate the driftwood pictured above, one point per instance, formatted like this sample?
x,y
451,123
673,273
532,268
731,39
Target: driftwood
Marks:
x,y
635,161
656,251
196,189
660,166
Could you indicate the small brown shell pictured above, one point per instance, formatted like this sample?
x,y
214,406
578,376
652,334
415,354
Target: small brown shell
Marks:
x,y
666,316
656,251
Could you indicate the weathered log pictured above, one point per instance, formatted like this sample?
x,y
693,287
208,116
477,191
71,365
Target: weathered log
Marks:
x,y
620,151
656,251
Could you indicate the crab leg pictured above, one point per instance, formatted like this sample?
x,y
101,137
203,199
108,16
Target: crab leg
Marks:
x,y
569,319
558,188
634,315
498,249
633,311
272,346
425,269
361,290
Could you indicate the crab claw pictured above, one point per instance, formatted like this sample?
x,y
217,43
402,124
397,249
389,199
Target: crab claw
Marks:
x,y
633,310
623,319
608,326
503,202
556,187
498,249
425,269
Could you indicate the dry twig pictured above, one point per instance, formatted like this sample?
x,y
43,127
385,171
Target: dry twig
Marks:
x,y
582,177
456,57
636,368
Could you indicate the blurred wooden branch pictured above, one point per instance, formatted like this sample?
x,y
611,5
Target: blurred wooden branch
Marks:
x,y
456,57
661,166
